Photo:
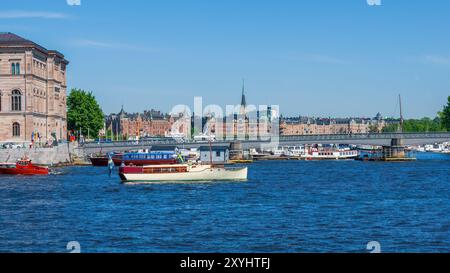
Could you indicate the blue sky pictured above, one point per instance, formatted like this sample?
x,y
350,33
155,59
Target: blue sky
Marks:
x,y
311,57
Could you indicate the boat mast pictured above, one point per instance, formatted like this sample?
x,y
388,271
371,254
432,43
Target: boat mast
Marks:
x,y
401,113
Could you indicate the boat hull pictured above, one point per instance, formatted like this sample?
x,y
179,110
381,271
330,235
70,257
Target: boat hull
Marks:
x,y
24,171
99,161
210,174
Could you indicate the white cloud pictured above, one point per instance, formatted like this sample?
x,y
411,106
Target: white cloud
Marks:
x,y
21,14
436,59
111,45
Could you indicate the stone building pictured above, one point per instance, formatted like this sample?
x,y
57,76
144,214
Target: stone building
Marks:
x,y
151,123
32,91
327,126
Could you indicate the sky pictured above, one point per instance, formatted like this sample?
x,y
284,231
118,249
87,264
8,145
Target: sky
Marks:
x,y
325,58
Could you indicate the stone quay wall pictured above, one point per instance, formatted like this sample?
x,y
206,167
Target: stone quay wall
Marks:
x,y
57,155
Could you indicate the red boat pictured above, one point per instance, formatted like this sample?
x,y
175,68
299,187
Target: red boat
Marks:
x,y
22,167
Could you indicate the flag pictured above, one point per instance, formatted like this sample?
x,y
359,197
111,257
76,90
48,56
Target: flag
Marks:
x,y
110,162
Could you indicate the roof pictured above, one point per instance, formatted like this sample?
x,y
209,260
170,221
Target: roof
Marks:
x,y
8,39
213,148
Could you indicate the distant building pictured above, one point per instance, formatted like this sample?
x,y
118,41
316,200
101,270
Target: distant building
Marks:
x,y
33,91
216,154
244,124
325,126
147,124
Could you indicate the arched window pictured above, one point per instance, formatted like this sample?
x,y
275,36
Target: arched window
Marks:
x,y
16,129
16,101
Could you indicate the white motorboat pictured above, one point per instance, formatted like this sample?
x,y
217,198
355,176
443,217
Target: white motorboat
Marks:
x,y
181,172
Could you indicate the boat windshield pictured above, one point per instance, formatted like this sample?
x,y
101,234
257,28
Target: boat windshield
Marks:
x,y
23,163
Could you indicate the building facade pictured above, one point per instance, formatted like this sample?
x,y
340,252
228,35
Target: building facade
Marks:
x,y
33,91
328,126
244,124
147,124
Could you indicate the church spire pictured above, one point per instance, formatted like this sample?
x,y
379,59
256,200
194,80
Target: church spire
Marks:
x,y
243,101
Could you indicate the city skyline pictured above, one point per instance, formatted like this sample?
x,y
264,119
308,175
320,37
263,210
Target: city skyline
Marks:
x,y
314,58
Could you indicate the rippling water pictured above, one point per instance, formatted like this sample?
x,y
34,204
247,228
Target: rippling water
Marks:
x,y
285,207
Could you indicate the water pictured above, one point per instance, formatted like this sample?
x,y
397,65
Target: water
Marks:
x,y
285,207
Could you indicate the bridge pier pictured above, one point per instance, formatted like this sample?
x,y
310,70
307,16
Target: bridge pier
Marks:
x,y
396,151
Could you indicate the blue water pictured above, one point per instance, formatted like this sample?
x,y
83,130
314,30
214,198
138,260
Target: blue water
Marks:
x,y
285,207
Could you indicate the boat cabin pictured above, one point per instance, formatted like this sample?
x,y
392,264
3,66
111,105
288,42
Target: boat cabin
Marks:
x,y
218,154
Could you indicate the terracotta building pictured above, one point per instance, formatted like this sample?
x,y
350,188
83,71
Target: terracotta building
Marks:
x,y
32,91
147,124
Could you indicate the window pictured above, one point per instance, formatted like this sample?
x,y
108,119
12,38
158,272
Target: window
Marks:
x,y
16,101
16,129
15,68
57,91
217,153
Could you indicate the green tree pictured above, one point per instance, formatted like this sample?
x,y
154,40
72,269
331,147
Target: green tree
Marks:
x,y
445,115
84,112
416,125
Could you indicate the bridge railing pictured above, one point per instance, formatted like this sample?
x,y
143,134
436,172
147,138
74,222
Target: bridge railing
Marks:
x,y
434,135
316,138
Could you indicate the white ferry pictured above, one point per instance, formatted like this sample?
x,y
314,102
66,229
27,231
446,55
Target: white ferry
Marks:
x,y
316,154
181,172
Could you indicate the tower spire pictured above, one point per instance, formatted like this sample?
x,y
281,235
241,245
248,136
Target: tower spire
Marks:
x,y
243,101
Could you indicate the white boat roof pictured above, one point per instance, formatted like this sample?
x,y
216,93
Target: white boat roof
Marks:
x,y
164,166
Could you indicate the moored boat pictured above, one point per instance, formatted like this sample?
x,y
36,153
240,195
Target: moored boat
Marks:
x,y
99,161
181,172
22,167
316,154
136,159
141,159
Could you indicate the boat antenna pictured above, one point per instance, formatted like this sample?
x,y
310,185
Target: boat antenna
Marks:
x,y
401,113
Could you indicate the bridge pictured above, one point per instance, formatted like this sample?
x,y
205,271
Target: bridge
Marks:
x,y
357,139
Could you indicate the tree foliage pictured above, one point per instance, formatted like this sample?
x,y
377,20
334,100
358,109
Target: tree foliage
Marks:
x,y
84,112
416,125
445,115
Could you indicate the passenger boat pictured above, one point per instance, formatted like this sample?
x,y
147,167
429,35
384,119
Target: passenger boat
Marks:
x,y
137,159
141,159
181,172
316,154
22,167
